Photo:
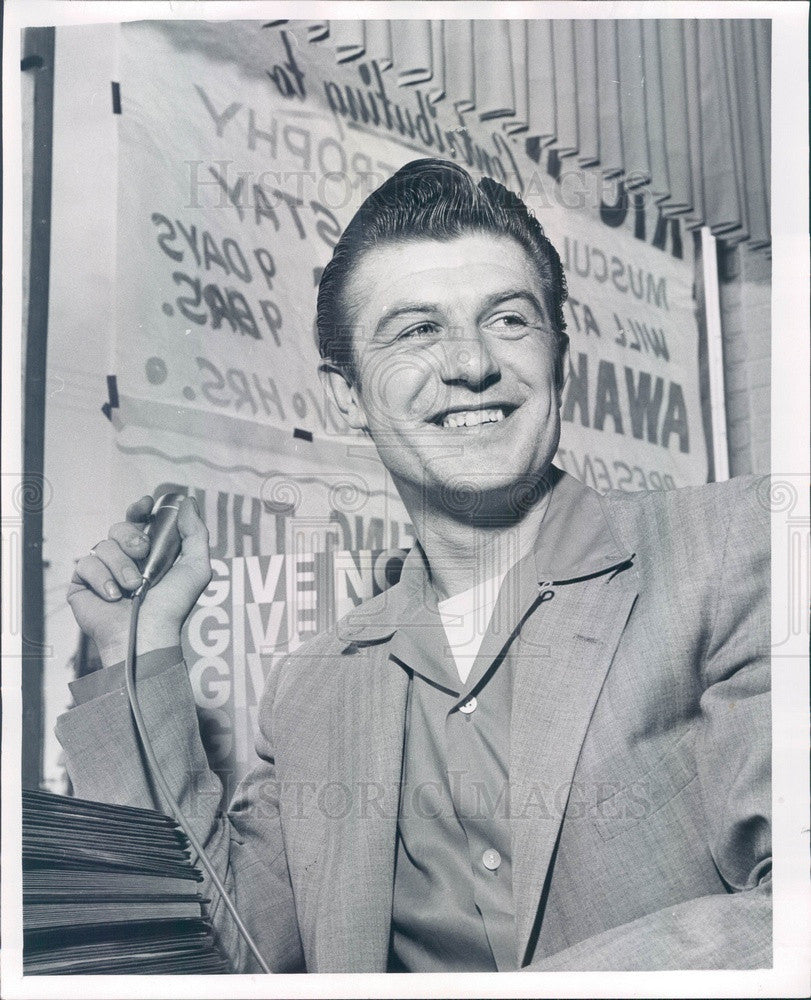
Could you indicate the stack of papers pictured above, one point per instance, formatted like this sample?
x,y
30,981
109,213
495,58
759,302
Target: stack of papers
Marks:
x,y
110,889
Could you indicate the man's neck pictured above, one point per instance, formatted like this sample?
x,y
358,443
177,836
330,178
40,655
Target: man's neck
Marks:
x,y
462,553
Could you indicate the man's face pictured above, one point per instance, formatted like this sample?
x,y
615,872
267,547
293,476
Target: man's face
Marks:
x,y
455,361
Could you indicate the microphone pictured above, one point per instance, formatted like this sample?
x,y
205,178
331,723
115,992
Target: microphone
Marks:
x,y
164,540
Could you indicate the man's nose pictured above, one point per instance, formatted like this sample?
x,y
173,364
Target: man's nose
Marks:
x,y
469,358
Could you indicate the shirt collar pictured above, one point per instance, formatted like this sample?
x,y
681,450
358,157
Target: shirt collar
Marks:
x,y
574,543
379,618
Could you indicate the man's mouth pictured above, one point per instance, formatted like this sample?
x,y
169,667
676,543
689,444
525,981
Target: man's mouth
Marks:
x,y
474,418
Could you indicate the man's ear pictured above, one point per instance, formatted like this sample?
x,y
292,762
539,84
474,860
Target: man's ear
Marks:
x,y
343,393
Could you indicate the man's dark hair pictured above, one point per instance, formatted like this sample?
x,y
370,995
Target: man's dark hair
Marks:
x,y
432,199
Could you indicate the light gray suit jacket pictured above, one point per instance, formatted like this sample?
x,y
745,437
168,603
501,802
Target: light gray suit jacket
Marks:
x,y
639,763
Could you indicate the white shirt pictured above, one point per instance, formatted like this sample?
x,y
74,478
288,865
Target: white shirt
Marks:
x,y
466,617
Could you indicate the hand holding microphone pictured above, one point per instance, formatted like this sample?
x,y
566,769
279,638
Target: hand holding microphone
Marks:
x,y
139,555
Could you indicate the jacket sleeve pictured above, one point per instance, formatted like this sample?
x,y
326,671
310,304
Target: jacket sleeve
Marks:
x,y
245,846
730,930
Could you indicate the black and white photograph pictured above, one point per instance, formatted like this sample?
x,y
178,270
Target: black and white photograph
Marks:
x,y
405,484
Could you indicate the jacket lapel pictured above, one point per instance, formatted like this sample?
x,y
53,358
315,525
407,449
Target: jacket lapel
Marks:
x,y
564,653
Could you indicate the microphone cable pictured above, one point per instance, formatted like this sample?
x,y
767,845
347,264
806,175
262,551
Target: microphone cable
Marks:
x,y
154,767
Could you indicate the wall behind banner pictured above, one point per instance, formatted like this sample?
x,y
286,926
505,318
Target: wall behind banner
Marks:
x,y
240,152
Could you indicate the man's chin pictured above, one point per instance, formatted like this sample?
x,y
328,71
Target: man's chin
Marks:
x,y
489,497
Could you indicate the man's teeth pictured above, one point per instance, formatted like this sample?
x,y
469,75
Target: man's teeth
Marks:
x,y
472,418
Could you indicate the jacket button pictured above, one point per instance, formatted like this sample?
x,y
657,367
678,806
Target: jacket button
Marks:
x,y
491,859
469,706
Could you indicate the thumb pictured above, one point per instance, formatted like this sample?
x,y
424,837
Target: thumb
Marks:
x,y
193,534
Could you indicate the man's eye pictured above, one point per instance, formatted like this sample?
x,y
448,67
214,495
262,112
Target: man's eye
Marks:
x,y
421,330
508,323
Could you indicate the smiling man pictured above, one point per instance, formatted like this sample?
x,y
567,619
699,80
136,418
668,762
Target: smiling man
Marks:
x,y
547,747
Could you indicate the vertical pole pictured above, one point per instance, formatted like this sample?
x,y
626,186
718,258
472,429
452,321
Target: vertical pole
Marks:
x,y
38,58
700,314
715,354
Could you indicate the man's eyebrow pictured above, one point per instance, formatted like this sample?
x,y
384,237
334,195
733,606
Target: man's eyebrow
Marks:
x,y
515,293
406,308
